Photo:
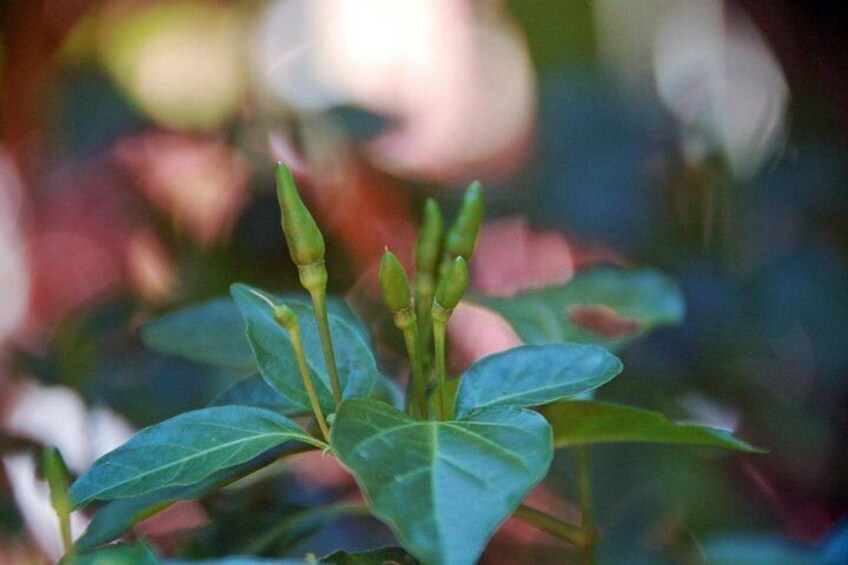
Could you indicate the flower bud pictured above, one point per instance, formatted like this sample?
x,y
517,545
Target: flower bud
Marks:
x,y
304,239
56,474
285,317
452,286
394,284
429,248
462,237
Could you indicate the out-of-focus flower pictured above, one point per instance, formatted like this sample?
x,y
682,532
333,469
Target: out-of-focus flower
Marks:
x,y
14,271
455,78
54,416
200,182
58,416
151,269
710,66
76,244
32,497
512,257
719,78
179,61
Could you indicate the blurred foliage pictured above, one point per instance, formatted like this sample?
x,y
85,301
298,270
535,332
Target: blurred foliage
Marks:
x,y
764,288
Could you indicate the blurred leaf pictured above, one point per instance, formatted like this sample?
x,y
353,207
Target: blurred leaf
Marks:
x,y
383,556
213,331
534,375
275,355
299,526
184,450
581,422
759,550
603,306
121,554
118,516
236,560
210,332
443,487
388,391
254,391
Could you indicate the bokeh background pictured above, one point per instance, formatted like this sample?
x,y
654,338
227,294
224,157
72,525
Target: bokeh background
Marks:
x,y
705,138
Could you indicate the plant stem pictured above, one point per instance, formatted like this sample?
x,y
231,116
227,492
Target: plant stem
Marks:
x,y
584,493
424,289
65,528
574,535
319,302
307,381
413,348
439,341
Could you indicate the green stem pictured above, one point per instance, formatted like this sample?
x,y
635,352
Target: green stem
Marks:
x,y
424,289
319,302
584,493
439,341
410,335
307,382
65,529
574,535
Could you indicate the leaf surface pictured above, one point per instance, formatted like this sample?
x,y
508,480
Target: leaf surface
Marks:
x,y
582,422
382,556
118,516
534,375
443,487
213,331
254,391
275,357
184,450
120,554
602,306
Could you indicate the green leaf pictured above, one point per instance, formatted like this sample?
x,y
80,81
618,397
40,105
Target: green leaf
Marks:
x,y
213,331
121,554
443,487
759,550
184,450
603,306
383,556
534,375
254,391
275,356
237,560
581,422
210,332
118,516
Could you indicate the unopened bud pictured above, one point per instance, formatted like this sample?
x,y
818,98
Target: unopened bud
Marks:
x,y
303,238
394,284
453,285
462,237
429,248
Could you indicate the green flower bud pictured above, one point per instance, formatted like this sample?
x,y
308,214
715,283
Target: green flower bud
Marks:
x,y
285,316
56,474
462,237
452,286
429,249
394,284
304,239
